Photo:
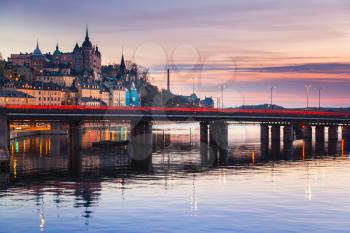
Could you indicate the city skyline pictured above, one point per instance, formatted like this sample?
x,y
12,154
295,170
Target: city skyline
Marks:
x,y
287,46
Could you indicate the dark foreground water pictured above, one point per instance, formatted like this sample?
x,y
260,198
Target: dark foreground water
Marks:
x,y
301,189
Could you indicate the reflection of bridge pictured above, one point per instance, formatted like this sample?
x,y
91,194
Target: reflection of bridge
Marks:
x,y
213,123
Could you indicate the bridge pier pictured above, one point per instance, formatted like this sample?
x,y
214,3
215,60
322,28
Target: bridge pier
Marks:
x,y
320,139
74,162
288,149
276,140
346,133
4,132
204,141
140,145
307,132
55,126
320,135
333,133
288,133
264,133
332,147
75,135
218,141
275,133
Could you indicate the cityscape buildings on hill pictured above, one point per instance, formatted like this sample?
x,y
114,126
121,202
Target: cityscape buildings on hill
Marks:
x,y
78,78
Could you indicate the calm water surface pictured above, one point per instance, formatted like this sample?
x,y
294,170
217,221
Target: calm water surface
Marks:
x,y
305,188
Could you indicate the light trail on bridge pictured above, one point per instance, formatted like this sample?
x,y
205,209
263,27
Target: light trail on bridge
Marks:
x,y
179,109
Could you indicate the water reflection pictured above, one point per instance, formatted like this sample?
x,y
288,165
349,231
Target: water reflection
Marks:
x,y
45,171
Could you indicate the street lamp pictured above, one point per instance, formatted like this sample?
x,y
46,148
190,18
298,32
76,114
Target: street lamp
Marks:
x,y
222,95
319,89
271,96
307,87
193,79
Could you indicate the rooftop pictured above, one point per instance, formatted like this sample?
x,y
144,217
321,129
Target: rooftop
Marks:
x,y
10,93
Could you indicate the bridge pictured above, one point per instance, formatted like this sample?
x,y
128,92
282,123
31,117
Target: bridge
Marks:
x,y
213,123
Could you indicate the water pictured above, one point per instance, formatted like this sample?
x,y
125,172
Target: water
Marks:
x,y
297,191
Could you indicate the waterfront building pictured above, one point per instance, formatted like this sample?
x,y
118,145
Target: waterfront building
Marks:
x,y
12,97
118,97
132,97
43,93
85,101
88,89
207,102
70,95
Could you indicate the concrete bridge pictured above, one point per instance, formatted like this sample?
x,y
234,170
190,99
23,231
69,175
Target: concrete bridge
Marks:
x,y
213,124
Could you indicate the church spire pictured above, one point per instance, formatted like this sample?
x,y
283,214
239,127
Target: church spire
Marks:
x,y
37,49
87,33
122,63
57,51
87,43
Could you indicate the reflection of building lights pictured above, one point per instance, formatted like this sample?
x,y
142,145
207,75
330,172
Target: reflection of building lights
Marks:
x,y
253,157
42,222
12,149
14,168
308,190
24,146
49,145
303,150
41,147
17,146
194,202
343,149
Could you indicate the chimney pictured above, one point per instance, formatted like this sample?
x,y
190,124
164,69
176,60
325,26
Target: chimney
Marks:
x,y
168,81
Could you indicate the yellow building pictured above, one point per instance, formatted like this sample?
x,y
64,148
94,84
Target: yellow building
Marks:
x,y
11,97
118,98
43,93
88,90
57,78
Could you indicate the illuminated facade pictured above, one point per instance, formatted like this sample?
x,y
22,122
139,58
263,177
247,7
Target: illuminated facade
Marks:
x,y
12,97
43,93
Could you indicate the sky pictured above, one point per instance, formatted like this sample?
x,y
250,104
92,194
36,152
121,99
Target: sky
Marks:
x,y
247,46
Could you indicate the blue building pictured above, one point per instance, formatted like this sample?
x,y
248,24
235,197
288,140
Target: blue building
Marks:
x,y
207,102
132,97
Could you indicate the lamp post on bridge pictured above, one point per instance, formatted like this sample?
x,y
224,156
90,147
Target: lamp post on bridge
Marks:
x,y
307,87
319,89
222,95
271,96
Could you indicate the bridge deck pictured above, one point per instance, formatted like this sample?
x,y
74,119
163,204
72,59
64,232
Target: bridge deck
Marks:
x,y
64,113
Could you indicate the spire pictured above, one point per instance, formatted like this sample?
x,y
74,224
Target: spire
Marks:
x,y
87,33
122,63
57,51
76,48
37,49
87,43
122,66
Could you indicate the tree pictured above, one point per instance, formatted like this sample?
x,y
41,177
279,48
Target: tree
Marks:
x,y
2,65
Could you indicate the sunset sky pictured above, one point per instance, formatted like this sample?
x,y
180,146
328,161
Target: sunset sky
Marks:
x,y
246,45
